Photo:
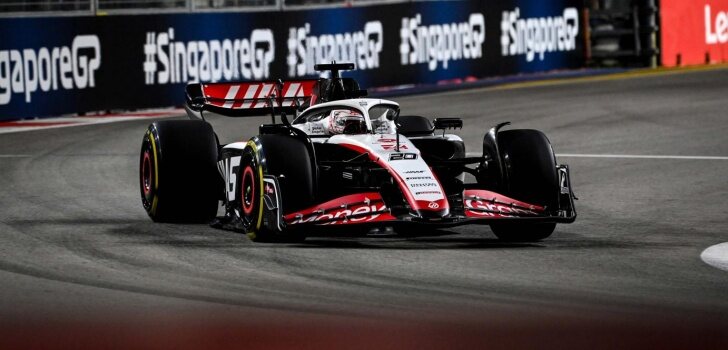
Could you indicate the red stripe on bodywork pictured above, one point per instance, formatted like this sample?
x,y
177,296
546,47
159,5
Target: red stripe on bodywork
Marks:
x,y
373,157
414,204
483,203
216,94
349,209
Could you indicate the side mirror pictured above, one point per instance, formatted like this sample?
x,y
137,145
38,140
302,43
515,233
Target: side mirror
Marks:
x,y
393,117
448,123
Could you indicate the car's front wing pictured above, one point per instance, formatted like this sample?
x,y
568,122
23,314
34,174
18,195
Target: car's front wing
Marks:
x,y
479,206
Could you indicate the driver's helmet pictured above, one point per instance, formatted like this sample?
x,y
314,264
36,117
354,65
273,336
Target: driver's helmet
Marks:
x,y
344,121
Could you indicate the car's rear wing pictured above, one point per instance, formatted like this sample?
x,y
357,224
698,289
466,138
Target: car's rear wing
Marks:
x,y
254,98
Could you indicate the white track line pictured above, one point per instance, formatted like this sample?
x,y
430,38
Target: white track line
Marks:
x,y
716,256
638,156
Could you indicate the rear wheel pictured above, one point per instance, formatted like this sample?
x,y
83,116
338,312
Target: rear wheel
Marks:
x,y
288,159
178,176
530,167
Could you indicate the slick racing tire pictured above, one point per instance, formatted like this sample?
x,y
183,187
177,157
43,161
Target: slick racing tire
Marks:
x,y
178,176
532,177
288,159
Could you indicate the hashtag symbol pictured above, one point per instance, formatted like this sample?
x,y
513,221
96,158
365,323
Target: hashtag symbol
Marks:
x,y
404,47
505,40
292,46
150,62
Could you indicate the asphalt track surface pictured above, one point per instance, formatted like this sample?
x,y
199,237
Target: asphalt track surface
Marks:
x,y
81,264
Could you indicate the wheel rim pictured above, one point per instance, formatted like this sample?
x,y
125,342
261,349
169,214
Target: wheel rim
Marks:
x,y
147,173
248,190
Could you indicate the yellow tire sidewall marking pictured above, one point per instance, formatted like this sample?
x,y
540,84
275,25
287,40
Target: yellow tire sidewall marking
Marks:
x,y
259,166
156,172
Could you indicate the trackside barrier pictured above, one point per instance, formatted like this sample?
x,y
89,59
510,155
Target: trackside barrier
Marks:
x,y
627,35
59,65
694,32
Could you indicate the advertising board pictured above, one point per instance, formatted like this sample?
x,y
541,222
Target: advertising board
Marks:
x,y
694,32
58,65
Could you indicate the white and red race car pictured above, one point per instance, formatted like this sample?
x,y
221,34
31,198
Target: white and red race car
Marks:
x,y
345,160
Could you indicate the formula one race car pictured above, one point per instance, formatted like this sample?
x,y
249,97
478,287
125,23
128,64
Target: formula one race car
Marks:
x,y
345,161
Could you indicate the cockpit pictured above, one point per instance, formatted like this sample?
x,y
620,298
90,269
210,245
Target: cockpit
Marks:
x,y
358,116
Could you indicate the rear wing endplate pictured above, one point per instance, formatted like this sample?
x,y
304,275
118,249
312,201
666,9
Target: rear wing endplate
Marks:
x,y
245,99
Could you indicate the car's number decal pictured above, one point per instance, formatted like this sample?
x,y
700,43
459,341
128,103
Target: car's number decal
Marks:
x,y
230,177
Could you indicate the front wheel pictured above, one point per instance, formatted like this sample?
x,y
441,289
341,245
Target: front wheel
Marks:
x,y
530,167
287,159
251,193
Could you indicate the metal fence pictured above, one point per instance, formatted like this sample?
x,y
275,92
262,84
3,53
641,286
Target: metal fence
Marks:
x,y
139,4
44,6
103,7
223,4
